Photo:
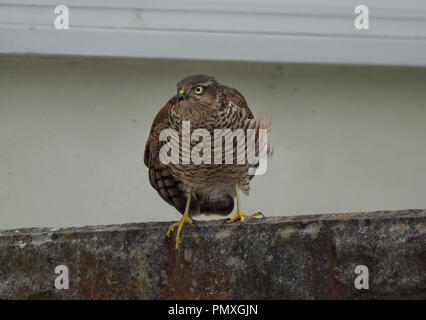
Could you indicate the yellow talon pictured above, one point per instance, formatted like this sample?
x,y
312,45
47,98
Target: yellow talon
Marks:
x,y
239,215
185,219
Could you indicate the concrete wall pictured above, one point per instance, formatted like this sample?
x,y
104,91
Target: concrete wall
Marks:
x,y
72,134
332,256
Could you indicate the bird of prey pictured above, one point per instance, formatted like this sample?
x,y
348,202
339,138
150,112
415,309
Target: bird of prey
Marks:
x,y
208,187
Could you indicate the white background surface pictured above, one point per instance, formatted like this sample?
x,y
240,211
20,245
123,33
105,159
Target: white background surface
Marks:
x,y
73,131
308,31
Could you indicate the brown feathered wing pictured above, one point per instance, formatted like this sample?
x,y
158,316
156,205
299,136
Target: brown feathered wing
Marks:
x,y
169,187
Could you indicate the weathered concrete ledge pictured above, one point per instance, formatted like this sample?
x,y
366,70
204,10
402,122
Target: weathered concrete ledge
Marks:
x,y
301,257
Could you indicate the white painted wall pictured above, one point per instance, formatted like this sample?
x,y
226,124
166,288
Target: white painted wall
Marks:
x,y
308,31
72,134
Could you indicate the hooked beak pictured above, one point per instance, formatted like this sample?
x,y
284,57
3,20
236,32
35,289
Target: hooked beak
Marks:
x,y
181,95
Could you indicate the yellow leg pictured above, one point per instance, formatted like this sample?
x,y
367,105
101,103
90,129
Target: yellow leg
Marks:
x,y
239,215
185,219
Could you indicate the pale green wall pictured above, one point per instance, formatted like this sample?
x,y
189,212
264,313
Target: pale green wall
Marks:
x,y
72,134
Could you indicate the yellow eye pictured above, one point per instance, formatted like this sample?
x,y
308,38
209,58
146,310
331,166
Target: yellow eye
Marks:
x,y
198,90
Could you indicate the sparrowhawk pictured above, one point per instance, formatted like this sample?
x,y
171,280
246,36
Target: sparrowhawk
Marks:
x,y
207,187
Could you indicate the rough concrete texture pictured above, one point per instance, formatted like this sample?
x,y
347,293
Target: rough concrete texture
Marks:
x,y
301,257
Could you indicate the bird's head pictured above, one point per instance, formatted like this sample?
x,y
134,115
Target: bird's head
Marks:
x,y
201,91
